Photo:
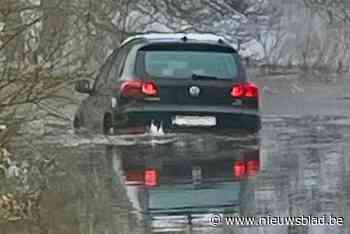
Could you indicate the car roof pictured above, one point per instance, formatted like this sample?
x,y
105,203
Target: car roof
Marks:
x,y
207,38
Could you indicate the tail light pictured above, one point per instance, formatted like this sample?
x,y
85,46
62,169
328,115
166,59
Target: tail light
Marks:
x,y
147,177
238,91
149,89
253,167
139,88
248,168
248,90
239,169
151,177
135,177
131,88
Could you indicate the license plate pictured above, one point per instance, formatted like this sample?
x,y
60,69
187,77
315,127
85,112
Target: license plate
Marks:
x,y
194,121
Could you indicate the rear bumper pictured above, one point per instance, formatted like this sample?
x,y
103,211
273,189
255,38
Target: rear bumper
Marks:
x,y
227,117
195,110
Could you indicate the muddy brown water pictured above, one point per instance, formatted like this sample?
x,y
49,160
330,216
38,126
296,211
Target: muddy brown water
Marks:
x,y
298,164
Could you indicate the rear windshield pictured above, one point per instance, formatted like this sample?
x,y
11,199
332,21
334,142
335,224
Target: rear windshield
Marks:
x,y
185,64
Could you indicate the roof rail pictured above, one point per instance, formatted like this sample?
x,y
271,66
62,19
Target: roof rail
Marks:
x,y
210,37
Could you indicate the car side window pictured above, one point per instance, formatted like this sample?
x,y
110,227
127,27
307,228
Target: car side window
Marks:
x,y
101,80
122,62
118,64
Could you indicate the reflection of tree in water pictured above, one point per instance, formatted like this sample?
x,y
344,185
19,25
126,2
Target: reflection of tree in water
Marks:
x,y
305,175
106,208
81,198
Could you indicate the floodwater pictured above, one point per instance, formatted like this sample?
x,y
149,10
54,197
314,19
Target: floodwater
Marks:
x,y
298,164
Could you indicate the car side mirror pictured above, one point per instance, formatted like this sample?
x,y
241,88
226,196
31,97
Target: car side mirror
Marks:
x,y
83,86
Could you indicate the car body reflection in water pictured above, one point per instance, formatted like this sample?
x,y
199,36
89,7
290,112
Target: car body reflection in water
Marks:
x,y
176,186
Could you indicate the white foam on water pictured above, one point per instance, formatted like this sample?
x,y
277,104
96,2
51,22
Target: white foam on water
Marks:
x,y
155,130
70,139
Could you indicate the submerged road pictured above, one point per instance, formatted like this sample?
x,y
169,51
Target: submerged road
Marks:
x,y
297,165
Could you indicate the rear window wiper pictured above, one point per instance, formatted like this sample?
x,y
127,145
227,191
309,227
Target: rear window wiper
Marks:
x,y
203,77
